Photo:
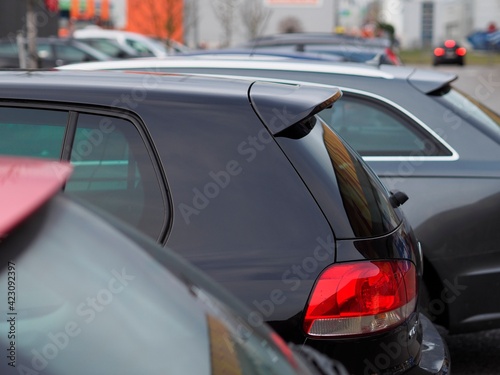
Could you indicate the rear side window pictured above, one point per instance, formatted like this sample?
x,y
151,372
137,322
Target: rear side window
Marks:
x,y
32,132
365,200
114,171
341,182
373,129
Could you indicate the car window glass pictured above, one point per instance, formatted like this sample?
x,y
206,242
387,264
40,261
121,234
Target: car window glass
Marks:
x,y
44,51
104,45
8,49
372,130
32,132
472,108
141,48
365,199
70,53
114,171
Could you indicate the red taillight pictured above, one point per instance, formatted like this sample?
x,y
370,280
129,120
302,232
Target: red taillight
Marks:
x,y
392,56
439,51
450,43
461,51
361,297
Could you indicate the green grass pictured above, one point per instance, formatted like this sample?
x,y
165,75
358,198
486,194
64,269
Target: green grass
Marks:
x,y
424,57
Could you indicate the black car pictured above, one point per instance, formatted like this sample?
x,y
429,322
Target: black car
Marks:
x,y
424,137
450,52
246,182
350,48
51,52
85,295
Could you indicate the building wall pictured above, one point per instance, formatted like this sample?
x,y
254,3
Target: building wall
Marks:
x,y
485,11
452,19
318,17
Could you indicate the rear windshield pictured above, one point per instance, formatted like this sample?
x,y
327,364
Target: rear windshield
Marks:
x,y
483,117
349,193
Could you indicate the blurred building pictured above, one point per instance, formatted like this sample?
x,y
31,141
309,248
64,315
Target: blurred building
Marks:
x,y
422,23
204,23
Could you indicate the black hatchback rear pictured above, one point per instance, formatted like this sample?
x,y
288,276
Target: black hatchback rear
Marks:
x,y
241,178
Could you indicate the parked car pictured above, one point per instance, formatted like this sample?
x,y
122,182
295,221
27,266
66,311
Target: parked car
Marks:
x,y
111,47
241,178
52,52
90,296
450,52
142,45
355,49
421,136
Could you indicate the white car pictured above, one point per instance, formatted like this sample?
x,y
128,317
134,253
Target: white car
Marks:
x,y
140,44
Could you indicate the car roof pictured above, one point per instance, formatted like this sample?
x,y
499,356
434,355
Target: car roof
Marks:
x,y
26,184
104,87
318,37
424,80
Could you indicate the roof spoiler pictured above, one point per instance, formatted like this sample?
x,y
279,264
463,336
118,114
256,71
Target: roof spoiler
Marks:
x,y
429,81
25,185
281,105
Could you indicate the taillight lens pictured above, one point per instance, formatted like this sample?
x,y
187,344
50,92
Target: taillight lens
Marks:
x,y
361,297
392,56
439,51
461,51
449,43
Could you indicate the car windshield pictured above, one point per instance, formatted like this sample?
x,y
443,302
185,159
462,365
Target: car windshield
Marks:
x,y
469,108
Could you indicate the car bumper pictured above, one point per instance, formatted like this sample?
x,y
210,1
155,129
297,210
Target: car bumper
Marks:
x,y
435,358
413,348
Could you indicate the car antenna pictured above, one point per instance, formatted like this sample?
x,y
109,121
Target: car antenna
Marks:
x,y
261,31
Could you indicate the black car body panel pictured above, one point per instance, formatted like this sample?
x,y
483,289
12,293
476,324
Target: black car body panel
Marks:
x,y
452,182
223,191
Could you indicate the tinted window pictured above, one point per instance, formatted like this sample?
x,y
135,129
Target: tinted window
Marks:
x,y
349,193
372,129
114,171
365,200
32,132
141,48
470,109
70,54
9,49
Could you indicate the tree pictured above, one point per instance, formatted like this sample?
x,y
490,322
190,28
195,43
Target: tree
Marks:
x,y
191,21
225,11
255,16
290,25
31,35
